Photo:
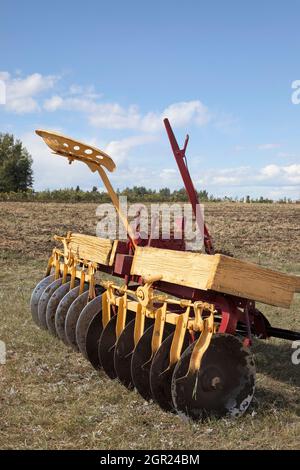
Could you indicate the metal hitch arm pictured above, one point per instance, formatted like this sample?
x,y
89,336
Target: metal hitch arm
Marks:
x,y
180,158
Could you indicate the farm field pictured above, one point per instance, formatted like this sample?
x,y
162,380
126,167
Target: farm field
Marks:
x,y
51,398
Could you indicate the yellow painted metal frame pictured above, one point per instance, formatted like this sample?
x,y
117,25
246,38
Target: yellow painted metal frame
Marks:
x,y
70,266
118,296
144,302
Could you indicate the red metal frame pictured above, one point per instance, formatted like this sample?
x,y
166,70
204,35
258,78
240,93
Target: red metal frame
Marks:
x,y
180,158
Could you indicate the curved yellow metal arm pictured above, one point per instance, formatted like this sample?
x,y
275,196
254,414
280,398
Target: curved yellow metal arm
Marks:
x,y
95,158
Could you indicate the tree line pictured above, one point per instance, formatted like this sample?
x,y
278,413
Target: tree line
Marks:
x,y
16,181
134,195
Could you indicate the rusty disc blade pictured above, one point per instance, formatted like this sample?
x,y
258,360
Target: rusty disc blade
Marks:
x,y
107,344
161,373
44,299
62,310
224,385
52,305
142,359
74,311
36,295
123,353
76,328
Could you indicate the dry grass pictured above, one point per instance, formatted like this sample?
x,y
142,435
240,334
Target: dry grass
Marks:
x,y
51,397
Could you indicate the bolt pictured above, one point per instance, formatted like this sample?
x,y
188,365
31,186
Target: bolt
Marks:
x,y
140,294
215,382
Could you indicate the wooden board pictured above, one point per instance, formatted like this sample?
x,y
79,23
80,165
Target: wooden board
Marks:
x,y
254,282
178,267
91,248
216,272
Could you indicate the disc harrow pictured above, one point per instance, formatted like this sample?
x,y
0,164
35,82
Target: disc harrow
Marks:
x,y
175,325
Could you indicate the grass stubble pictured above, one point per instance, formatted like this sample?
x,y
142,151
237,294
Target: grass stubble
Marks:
x,y
51,398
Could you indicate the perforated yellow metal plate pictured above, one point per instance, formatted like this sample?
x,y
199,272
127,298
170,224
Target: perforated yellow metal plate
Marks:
x,y
75,150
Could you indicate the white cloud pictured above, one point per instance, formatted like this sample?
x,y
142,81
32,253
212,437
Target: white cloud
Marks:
x,y
75,89
180,114
286,155
115,116
21,92
169,177
226,123
88,92
4,76
269,171
119,149
25,93
169,171
224,176
269,175
53,103
280,175
268,146
239,148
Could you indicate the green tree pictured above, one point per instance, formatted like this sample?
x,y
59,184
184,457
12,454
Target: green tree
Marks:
x,y
165,194
203,195
15,165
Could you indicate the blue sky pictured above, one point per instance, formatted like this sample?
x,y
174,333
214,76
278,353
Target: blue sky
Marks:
x,y
108,72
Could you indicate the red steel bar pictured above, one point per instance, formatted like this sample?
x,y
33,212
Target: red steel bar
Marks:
x,y
180,158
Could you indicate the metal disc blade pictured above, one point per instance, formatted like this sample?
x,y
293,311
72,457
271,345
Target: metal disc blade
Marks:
x,y
74,311
141,361
92,339
53,304
44,299
77,326
224,385
62,310
161,374
106,348
107,344
36,295
123,353
72,319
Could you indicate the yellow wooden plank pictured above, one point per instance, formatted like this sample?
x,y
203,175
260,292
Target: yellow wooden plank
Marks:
x,y
254,282
179,267
113,252
216,272
91,248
